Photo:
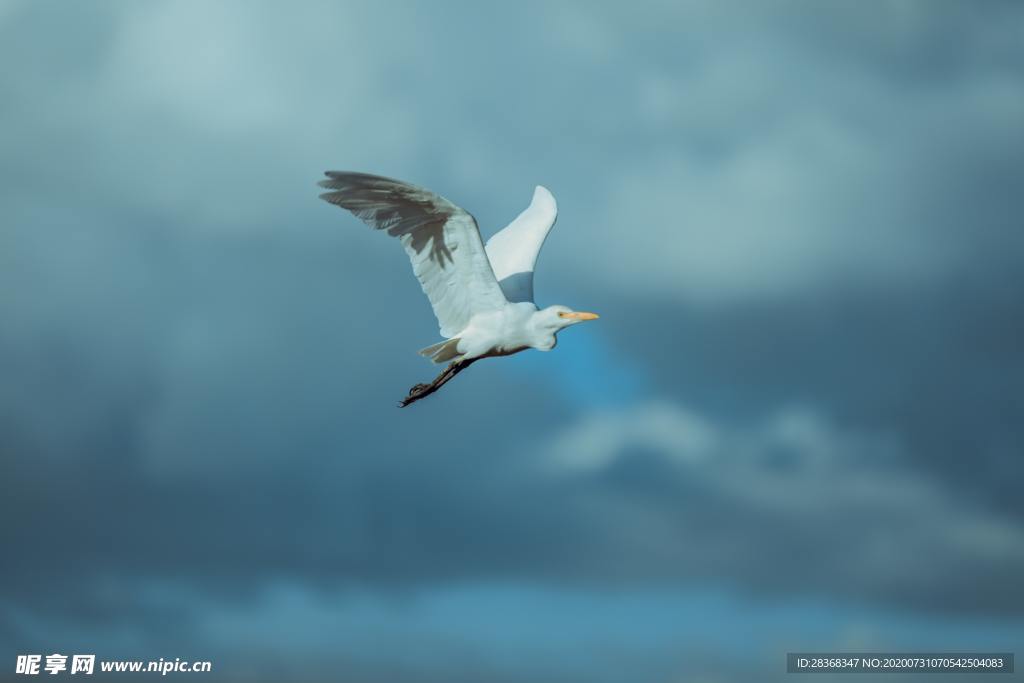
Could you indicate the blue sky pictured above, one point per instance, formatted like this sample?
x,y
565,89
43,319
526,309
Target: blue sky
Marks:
x,y
795,426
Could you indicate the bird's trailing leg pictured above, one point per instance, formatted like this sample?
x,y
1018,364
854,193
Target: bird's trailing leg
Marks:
x,y
423,390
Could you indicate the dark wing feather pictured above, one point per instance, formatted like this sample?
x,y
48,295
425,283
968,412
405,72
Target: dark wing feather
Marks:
x,y
441,239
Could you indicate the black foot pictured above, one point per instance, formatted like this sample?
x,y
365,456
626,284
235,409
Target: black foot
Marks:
x,y
422,390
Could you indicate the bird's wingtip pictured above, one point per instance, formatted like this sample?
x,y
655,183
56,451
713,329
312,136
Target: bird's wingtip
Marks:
x,y
542,195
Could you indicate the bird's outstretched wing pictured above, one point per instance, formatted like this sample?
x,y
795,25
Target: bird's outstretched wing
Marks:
x,y
513,250
442,241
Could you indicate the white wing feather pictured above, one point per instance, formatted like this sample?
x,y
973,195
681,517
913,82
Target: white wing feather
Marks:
x,y
442,241
513,250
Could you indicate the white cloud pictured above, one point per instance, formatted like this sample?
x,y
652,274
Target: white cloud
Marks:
x,y
598,439
863,518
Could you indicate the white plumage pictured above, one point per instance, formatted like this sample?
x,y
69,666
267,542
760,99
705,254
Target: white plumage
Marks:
x,y
513,250
482,296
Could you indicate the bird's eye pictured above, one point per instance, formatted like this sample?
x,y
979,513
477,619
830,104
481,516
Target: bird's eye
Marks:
x,y
562,314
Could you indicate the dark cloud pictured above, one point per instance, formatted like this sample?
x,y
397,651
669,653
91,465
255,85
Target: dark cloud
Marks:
x,y
797,222
936,367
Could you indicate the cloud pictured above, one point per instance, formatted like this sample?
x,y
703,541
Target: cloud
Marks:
x,y
778,169
682,496
799,224
764,160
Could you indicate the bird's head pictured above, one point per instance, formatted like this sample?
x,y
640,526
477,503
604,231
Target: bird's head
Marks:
x,y
555,318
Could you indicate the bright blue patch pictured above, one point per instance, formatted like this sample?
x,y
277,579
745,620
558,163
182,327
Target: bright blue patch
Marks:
x,y
584,369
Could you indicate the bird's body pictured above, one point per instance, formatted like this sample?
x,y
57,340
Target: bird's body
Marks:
x,y
482,295
508,330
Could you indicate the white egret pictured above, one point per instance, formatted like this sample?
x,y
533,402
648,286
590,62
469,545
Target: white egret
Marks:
x,y
482,295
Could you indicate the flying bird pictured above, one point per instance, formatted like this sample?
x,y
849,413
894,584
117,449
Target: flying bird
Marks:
x,y
482,295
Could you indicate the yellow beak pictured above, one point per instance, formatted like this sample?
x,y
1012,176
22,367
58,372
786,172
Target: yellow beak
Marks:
x,y
579,315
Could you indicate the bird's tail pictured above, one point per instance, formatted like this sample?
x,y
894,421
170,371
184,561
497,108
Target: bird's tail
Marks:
x,y
442,351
